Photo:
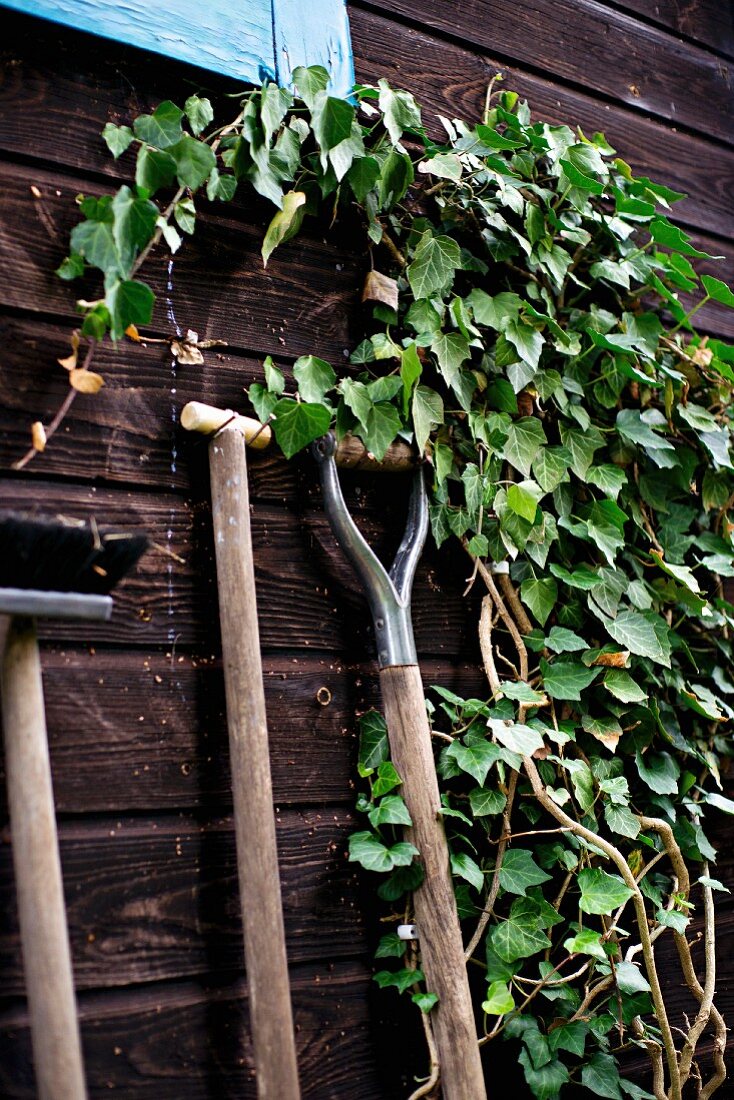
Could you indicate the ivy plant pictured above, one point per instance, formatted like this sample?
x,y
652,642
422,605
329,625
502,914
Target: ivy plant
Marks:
x,y
529,339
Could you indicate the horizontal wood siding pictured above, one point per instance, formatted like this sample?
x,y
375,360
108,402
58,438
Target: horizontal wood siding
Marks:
x,y
136,707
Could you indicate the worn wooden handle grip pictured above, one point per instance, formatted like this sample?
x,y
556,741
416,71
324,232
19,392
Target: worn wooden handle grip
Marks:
x,y
441,946
57,1052
207,419
257,857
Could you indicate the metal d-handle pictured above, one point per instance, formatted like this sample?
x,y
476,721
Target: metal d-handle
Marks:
x,y
388,593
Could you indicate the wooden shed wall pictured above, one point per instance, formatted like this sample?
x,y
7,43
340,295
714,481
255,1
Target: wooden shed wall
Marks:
x,y
135,709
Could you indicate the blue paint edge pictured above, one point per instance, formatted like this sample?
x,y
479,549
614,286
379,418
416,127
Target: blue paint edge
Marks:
x,y
315,32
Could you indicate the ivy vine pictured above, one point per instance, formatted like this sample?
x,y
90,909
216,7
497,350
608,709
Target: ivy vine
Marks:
x,y
529,339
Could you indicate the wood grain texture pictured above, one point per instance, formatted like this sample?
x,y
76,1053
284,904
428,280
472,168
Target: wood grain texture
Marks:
x,y
592,46
306,591
152,898
57,1056
709,22
189,1039
439,935
133,731
271,1018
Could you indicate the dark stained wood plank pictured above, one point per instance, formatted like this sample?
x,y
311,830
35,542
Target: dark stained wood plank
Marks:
x,y
191,1039
64,96
450,79
142,731
302,303
709,22
154,898
591,46
307,596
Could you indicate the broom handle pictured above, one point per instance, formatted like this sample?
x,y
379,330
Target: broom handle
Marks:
x,y
257,857
441,947
46,955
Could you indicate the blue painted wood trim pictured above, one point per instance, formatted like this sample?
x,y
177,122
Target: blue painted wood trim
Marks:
x,y
250,40
314,32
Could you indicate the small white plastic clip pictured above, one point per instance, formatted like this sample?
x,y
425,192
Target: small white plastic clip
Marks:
x,y
407,932
499,567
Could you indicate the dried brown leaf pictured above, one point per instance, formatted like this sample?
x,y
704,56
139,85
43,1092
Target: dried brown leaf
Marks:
x,y
38,436
71,360
380,288
186,353
613,660
86,381
132,333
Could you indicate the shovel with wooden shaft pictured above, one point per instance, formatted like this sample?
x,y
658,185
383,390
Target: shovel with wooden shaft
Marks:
x,y
442,950
271,1017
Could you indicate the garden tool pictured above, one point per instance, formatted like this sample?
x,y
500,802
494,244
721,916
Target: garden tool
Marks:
x,y
48,569
271,1016
437,922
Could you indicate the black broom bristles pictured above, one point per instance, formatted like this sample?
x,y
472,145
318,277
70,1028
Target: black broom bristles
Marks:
x,y
64,555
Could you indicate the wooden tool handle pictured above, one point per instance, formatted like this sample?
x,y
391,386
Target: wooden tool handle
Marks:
x,y
257,856
441,947
46,955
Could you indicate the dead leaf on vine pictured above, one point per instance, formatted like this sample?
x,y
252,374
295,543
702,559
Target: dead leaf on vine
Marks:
x,y
702,355
86,381
69,363
38,436
380,288
132,333
635,861
186,353
541,753
613,660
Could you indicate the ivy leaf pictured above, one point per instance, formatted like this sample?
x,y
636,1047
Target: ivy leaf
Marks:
x,y
620,819
285,224
433,266
373,746
562,640
427,410
662,231
549,467
522,693
390,947
134,224
601,892
485,801
566,680
659,771
475,758
194,161
401,980
718,290
643,633
524,439
582,446
161,129
527,341
718,444
390,810
610,479
465,867
519,871
425,1001
95,242
570,1037
71,268
368,850
635,427
199,112
274,104
362,177
117,138
523,499
586,942
516,736
539,595
630,978
154,169
383,425
314,376
521,935
601,1076
451,349
299,423
220,187
310,82
129,303
331,120
400,112
546,1081
499,1000
621,685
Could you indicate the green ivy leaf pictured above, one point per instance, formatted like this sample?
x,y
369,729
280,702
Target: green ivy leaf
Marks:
x,y
199,112
117,138
465,867
524,439
475,758
545,1081
516,736
523,499
586,942
642,633
601,892
331,120
362,177
521,935
659,771
299,423
562,640
161,129
566,680
129,303
315,378
519,871
382,427
154,169
623,687
485,801
662,231
425,1001
434,263
194,161
452,350
621,820
310,82
539,595
134,224
400,112
499,1000
427,411
94,241
718,290
600,1076
221,187
390,810
373,746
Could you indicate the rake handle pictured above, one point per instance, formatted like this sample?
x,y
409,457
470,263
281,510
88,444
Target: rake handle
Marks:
x,y
441,946
44,936
257,857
